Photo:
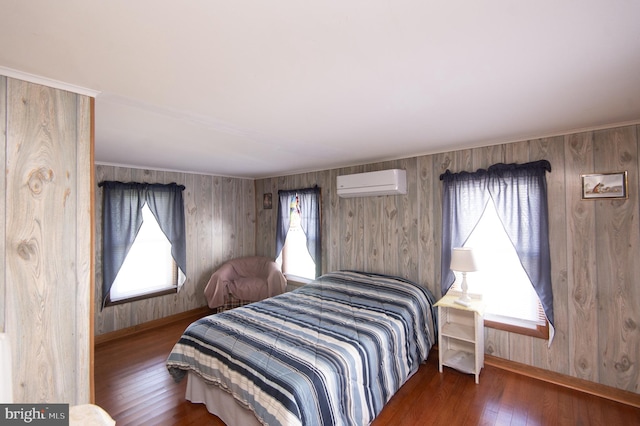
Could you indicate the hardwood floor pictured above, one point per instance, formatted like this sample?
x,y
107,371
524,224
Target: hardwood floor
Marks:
x,y
134,387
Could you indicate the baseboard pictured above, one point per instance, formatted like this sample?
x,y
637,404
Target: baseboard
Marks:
x,y
194,313
592,388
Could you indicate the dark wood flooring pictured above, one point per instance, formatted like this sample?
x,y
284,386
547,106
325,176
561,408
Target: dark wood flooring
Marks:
x,y
134,387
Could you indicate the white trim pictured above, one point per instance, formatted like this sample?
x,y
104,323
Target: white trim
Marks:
x,y
291,278
164,169
32,78
516,322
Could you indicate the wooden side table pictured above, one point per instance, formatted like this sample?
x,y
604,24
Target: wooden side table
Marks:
x,y
461,335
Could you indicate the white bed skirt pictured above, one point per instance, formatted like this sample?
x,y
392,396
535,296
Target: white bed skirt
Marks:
x,y
219,402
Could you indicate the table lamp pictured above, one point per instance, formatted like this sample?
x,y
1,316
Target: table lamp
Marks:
x,y
463,260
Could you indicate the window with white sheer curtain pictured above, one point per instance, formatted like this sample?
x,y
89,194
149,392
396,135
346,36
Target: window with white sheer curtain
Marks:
x,y
149,267
298,237
143,240
295,261
502,282
502,214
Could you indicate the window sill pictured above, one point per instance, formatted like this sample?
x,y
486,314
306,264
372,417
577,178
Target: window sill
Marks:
x,y
540,331
295,281
141,296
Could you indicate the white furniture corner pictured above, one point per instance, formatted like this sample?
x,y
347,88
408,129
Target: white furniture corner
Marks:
x,y
89,415
6,378
461,335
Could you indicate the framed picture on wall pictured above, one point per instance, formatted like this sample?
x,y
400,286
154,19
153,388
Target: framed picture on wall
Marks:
x,y
267,200
604,185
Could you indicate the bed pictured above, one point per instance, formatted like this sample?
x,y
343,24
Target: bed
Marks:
x,y
331,352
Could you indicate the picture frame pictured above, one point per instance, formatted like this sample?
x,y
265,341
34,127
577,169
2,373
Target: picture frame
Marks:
x,y
599,186
267,201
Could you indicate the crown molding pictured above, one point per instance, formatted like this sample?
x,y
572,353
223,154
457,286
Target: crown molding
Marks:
x,y
32,78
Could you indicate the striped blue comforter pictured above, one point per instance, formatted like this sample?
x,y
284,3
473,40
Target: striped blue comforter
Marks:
x,y
330,353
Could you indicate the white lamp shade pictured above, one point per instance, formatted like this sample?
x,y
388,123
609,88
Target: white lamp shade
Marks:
x,y
463,260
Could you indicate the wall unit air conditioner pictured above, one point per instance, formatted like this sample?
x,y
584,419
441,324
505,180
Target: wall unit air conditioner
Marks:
x,y
384,182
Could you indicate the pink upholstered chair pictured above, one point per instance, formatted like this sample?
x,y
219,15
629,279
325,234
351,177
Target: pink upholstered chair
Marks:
x,y
246,279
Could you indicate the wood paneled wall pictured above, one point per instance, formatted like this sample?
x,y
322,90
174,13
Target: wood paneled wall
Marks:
x,y
595,245
220,222
45,211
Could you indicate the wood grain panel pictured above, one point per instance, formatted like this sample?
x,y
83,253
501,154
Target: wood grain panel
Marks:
x,y
486,156
441,163
249,215
49,262
101,174
204,235
84,255
617,238
408,230
331,248
426,248
520,348
35,182
262,215
219,207
351,230
374,237
517,152
324,182
349,253
387,226
582,264
269,221
552,149
497,342
191,296
463,160
230,223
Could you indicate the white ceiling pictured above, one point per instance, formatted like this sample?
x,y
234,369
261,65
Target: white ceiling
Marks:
x,y
266,88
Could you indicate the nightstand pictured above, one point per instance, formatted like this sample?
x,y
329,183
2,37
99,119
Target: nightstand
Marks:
x,y
461,335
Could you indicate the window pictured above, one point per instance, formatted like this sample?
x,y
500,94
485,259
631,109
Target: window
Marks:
x,y
298,234
295,260
149,268
510,300
144,242
502,213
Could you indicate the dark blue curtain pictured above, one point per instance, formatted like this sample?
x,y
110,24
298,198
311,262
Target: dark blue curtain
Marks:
x,y
309,206
122,219
519,193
